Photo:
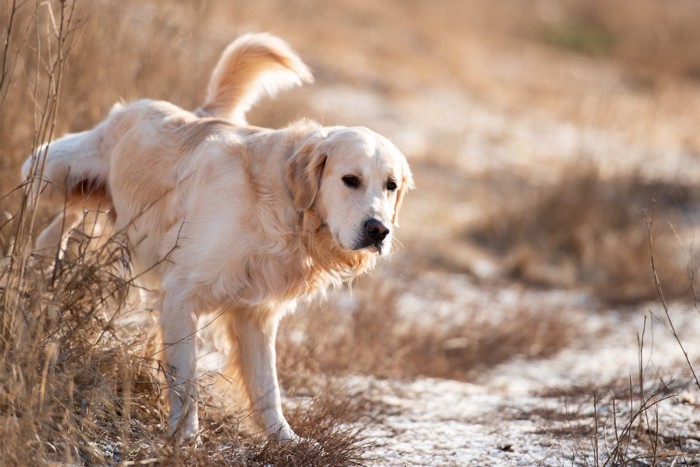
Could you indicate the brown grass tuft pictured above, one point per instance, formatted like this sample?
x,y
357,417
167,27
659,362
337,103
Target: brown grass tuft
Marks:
x,y
374,337
331,430
586,230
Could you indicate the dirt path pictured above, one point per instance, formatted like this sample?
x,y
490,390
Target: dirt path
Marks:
x,y
543,412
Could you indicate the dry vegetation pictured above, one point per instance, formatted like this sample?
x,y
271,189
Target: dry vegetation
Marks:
x,y
585,230
76,387
349,341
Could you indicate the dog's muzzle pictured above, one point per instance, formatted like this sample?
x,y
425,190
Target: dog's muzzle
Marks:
x,y
374,233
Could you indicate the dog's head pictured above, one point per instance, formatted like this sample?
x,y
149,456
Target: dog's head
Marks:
x,y
355,181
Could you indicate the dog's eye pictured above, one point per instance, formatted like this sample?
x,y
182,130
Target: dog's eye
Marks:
x,y
391,185
351,181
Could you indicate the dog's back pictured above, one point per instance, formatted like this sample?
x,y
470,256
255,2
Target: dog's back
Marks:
x,y
72,173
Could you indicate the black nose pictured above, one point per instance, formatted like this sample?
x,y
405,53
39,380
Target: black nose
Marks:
x,y
376,230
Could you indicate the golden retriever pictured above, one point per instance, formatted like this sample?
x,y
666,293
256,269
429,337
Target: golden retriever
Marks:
x,y
223,217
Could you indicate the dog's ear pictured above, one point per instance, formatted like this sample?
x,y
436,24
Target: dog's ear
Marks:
x,y
304,171
406,184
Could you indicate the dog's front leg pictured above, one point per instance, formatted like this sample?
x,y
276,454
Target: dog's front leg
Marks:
x,y
256,335
179,324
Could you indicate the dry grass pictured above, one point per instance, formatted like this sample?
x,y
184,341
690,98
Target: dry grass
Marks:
x,y
620,424
68,378
584,230
372,336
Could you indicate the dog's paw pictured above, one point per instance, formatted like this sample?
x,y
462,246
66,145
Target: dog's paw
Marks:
x,y
185,434
286,435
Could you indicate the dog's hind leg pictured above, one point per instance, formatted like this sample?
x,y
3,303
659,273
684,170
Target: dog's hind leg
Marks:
x,y
54,236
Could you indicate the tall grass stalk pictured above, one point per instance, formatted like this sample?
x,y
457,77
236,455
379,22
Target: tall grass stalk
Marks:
x,y
52,47
662,298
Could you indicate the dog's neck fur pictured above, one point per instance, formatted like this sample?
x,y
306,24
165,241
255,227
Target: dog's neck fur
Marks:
x,y
316,259
331,264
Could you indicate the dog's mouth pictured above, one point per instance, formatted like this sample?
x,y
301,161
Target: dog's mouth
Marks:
x,y
375,246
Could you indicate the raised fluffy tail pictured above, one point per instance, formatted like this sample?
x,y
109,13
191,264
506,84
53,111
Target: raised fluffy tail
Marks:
x,y
251,66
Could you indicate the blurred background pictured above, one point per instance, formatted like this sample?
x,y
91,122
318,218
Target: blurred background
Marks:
x,y
551,141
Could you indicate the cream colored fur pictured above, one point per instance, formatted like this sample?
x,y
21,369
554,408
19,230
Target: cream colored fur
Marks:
x,y
225,218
